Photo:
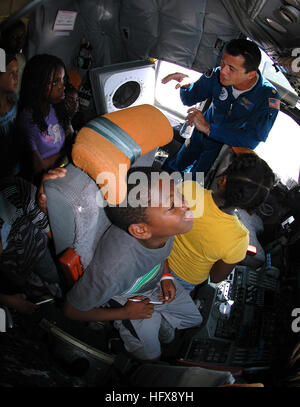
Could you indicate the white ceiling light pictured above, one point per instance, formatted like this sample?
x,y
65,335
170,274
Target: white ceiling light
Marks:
x,y
276,26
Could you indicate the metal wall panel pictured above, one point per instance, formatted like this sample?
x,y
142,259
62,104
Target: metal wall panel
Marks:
x,y
96,22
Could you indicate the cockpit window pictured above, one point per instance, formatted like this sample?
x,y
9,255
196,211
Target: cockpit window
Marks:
x,y
283,143
281,149
166,96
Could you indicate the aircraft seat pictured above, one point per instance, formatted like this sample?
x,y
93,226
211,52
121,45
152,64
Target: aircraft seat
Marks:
x,y
76,216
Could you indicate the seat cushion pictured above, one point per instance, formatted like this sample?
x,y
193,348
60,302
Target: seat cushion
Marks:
x,y
76,219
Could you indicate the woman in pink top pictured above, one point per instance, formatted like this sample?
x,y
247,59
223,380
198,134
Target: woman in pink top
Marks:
x,y
41,124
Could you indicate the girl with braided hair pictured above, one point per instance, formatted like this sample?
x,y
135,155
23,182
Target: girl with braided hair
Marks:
x,y
218,240
248,182
42,126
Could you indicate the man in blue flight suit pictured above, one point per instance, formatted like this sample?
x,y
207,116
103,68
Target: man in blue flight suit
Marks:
x,y
243,109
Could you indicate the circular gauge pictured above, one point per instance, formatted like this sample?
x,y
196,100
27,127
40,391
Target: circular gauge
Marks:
x,y
276,26
126,94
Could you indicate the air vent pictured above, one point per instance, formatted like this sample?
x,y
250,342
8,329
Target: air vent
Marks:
x,y
290,14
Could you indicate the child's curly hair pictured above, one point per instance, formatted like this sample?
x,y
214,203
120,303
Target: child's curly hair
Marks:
x,y
249,180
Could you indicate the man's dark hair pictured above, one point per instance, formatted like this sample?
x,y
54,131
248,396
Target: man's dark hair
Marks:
x,y
36,77
249,180
124,216
247,49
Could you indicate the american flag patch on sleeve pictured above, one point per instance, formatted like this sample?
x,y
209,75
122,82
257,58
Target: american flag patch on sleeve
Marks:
x,y
275,103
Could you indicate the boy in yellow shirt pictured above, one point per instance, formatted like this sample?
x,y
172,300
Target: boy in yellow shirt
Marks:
x,y
218,240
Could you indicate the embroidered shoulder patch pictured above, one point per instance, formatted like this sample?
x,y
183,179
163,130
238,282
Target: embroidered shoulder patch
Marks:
x,y
208,73
246,103
274,103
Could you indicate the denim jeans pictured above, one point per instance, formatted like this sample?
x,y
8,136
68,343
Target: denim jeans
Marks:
x,y
185,284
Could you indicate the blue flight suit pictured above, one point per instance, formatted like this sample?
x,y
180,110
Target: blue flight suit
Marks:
x,y
241,122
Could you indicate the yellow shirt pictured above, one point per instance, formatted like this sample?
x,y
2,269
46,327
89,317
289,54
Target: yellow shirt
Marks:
x,y
214,236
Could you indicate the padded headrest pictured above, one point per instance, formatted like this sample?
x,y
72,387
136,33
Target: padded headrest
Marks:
x,y
111,143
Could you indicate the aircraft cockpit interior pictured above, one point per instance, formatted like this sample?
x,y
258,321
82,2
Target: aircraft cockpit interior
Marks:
x,y
119,52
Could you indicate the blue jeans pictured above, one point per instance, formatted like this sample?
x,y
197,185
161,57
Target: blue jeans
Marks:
x,y
198,156
185,284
